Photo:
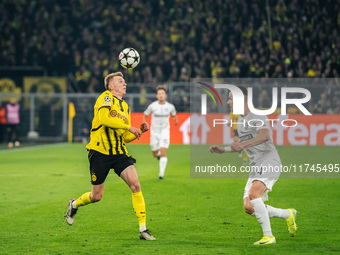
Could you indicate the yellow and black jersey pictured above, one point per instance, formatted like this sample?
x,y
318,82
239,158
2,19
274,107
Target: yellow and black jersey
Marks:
x,y
110,125
234,119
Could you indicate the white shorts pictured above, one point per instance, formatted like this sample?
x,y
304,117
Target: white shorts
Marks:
x,y
268,172
269,182
159,140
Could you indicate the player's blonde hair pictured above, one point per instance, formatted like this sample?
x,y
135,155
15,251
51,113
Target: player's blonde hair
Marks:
x,y
109,77
161,87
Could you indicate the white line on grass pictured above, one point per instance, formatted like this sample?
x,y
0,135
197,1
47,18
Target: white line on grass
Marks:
x,y
42,175
32,147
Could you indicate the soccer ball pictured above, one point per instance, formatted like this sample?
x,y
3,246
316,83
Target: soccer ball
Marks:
x,y
129,58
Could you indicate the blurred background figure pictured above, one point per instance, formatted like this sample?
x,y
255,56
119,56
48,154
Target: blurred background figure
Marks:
x,y
3,122
85,131
13,122
46,118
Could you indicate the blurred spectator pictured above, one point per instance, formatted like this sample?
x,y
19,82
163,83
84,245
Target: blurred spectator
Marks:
x,y
82,79
177,40
85,131
3,122
85,37
142,99
13,122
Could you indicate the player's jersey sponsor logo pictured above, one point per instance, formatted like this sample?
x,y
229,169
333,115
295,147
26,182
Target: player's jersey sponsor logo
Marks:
x,y
114,114
246,137
107,103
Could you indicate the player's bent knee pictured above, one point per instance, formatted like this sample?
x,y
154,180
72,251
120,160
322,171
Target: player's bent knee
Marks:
x,y
135,187
163,152
248,208
254,194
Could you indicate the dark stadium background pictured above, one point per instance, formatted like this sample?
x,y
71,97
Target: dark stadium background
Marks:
x,y
79,41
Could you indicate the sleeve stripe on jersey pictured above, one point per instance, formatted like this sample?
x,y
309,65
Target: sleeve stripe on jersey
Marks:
x,y
108,138
103,107
95,129
115,133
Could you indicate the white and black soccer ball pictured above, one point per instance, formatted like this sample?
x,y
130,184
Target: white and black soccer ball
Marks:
x,y
129,58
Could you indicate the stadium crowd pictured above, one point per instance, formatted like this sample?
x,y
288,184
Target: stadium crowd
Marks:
x,y
177,39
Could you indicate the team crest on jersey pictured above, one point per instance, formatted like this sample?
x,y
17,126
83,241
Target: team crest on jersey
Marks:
x,y
107,99
94,177
246,126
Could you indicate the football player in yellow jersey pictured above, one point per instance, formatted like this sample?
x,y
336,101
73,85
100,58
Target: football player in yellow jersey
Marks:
x,y
111,129
236,138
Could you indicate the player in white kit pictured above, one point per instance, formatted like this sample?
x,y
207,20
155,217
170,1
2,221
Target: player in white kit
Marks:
x,y
256,139
160,127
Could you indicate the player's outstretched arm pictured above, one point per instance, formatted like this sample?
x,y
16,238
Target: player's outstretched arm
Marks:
x,y
216,149
109,122
262,136
144,127
175,120
132,134
144,118
135,131
219,149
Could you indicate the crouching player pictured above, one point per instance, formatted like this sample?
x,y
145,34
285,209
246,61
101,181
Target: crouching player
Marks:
x,y
257,141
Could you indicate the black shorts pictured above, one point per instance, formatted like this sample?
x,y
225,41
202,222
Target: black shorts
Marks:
x,y
100,165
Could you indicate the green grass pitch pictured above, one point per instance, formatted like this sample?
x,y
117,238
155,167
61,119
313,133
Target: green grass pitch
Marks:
x,y
186,215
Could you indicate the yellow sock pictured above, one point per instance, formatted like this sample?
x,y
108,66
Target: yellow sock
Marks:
x,y
245,156
83,200
139,207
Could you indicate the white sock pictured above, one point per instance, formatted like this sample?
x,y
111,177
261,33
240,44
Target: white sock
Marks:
x,y
262,216
141,229
277,212
74,204
162,165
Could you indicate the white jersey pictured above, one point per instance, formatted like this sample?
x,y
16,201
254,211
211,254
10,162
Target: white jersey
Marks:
x,y
248,127
160,116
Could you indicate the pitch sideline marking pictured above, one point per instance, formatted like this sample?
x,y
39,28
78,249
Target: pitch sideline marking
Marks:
x,y
31,147
43,175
